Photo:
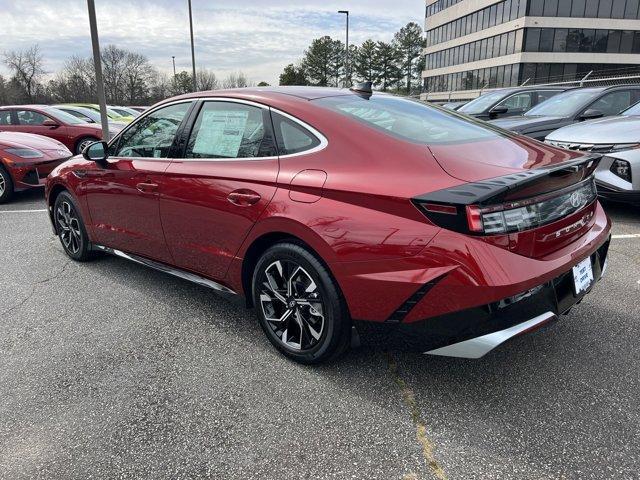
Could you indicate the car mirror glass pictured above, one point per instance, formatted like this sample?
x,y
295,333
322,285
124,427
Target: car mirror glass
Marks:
x,y
95,152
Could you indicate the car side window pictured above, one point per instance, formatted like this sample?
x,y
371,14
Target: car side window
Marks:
x,y
292,137
546,94
518,102
5,117
612,103
229,130
29,117
152,136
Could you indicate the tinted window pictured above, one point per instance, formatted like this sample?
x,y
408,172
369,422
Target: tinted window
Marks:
x,y
564,104
546,39
5,117
519,102
152,135
229,130
613,103
65,117
409,120
292,137
29,117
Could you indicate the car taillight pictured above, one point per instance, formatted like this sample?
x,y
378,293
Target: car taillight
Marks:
x,y
514,216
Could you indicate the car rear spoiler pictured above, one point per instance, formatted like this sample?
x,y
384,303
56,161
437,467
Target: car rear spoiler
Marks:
x,y
515,186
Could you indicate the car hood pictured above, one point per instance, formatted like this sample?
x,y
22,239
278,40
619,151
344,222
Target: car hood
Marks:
x,y
525,123
475,161
618,129
30,140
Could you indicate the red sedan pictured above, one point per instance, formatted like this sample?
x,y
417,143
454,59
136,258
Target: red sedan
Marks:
x,y
50,122
344,216
26,160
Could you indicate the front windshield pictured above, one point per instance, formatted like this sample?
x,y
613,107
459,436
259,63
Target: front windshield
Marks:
x,y
565,104
410,119
481,103
64,117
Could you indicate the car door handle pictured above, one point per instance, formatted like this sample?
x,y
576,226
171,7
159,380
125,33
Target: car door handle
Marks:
x,y
147,187
243,197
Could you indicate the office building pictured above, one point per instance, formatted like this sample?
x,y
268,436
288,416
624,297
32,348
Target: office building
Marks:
x,y
474,45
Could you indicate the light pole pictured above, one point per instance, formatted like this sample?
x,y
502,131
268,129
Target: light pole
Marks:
x,y
97,65
193,54
173,57
346,54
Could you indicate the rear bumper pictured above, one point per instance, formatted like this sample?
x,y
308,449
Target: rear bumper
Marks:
x,y
472,332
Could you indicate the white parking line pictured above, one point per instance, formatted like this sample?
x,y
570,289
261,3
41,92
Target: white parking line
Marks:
x,y
22,211
629,235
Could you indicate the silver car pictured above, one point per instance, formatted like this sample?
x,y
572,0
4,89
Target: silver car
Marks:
x,y
618,138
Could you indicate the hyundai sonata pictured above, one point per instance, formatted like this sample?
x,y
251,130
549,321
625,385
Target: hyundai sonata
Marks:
x,y
344,216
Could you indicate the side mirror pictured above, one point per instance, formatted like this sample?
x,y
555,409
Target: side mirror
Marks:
x,y
591,114
498,110
50,123
95,152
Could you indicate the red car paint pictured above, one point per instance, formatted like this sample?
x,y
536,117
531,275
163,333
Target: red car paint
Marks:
x,y
30,172
70,134
350,202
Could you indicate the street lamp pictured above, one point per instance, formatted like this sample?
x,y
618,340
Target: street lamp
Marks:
x,y
173,57
97,64
193,55
346,55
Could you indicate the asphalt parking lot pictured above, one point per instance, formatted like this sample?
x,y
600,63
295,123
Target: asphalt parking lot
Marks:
x,y
112,370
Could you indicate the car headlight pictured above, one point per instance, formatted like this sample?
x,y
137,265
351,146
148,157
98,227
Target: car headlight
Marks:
x,y
24,152
622,169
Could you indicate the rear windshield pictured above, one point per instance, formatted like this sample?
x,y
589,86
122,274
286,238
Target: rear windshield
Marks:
x,y
409,119
480,104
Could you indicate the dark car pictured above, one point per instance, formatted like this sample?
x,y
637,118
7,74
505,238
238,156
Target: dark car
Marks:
x,y
50,122
571,107
329,209
508,102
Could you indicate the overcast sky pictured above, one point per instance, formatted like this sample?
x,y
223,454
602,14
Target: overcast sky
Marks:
x,y
258,37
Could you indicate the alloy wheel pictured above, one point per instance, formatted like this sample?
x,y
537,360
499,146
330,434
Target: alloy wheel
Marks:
x,y
84,144
292,305
69,224
3,184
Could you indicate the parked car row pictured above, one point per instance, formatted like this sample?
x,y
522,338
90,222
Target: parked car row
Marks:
x,y
603,120
35,138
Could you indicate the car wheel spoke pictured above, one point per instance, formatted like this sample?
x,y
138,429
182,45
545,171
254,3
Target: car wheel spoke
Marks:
x,y
292,305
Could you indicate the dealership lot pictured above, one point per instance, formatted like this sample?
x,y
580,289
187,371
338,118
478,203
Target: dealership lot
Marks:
x,y
111,370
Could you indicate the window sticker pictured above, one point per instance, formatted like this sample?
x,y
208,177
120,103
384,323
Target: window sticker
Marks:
x,y
220,133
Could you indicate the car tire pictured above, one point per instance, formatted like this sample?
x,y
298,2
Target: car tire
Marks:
x,y
70,228
299,305
83,143
6,185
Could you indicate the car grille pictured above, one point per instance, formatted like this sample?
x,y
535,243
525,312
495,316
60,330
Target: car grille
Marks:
x,y
582,147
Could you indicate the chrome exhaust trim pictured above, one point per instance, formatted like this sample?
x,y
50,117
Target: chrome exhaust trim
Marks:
x,y
480,346
191,277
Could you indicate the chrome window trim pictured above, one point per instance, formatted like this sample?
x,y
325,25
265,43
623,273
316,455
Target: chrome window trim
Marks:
x,y
321,146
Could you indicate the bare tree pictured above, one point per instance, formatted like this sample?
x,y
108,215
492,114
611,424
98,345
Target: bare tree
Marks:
x,y
236,80
206,80
137,75
114,62
27,67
